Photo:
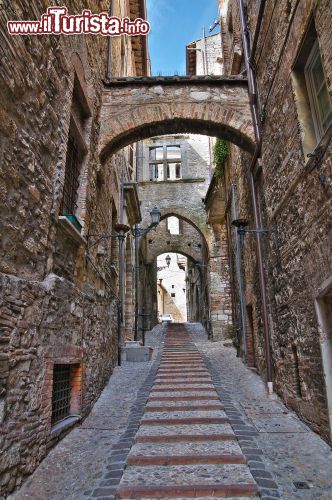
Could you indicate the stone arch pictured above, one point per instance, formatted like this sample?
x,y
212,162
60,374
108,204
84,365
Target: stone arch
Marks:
x,y
181,252
193,243
138,108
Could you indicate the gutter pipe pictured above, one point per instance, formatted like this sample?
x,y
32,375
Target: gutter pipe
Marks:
x,y
252,84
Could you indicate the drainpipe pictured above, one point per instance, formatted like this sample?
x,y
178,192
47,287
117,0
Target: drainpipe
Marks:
x,y
108,73
206,63
121,239
254,111
239,273
137,288
257,31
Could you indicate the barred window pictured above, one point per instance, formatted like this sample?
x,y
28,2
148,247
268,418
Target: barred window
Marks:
x,y
61,392
77,147
72,175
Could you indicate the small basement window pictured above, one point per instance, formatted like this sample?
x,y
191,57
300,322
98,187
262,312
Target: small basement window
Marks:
x,y
66,391
60,393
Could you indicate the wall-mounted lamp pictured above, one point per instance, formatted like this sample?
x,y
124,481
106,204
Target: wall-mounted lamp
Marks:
x,y
168,260
155,216
214,25
155,219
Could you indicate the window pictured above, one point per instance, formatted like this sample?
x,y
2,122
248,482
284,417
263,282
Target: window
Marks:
x,y
72,175
76,150
320,103
66,391
173,159
173,225
165,163
313,102
156,160
61,393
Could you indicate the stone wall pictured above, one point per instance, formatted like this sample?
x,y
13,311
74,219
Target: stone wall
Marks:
x,y
208,57
295,202
58,293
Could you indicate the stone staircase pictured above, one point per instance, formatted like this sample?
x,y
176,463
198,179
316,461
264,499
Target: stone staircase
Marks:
x,y
185,446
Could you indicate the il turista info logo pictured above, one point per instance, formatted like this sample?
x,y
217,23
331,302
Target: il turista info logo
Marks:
x,y
57,21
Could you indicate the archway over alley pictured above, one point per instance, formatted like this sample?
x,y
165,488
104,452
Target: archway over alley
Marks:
x,y
137,108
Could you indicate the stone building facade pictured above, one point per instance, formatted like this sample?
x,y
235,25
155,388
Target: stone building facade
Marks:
x,y
59,279
293,67
173,175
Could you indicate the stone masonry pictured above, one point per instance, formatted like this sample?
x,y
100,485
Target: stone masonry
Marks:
x,y
295,202
58,295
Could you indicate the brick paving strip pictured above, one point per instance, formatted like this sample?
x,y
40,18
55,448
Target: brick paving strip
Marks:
x,y
185,446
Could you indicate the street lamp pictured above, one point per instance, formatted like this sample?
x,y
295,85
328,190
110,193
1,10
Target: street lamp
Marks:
x,y
155,219
155,216
138,232
168,260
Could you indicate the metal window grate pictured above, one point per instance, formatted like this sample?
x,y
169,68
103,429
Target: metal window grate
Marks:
x,y
72,174
61,392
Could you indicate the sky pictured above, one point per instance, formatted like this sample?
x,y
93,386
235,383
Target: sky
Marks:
x,y
174,24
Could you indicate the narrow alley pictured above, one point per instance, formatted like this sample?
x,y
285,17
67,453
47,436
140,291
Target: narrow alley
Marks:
x,y
194,422
165,249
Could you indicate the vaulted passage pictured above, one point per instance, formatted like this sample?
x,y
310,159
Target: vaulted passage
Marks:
x,y
137,108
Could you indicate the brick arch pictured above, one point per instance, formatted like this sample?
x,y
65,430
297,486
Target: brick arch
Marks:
x,y
138,108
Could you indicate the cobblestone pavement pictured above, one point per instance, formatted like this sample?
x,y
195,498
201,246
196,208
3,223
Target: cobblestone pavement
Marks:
x,y
117,442
74,465
291,451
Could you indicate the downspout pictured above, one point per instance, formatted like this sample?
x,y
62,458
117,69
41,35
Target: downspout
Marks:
x,y
257,31
137,288
121,239
238,254
252,84
108,73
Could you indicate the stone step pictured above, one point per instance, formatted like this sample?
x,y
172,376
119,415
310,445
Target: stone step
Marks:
x,y
241,492
185,459
161,428
190,447
184,396
181,376
174,480
190,389
185,418
174,383
183,370
184,438
182,406
182,367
